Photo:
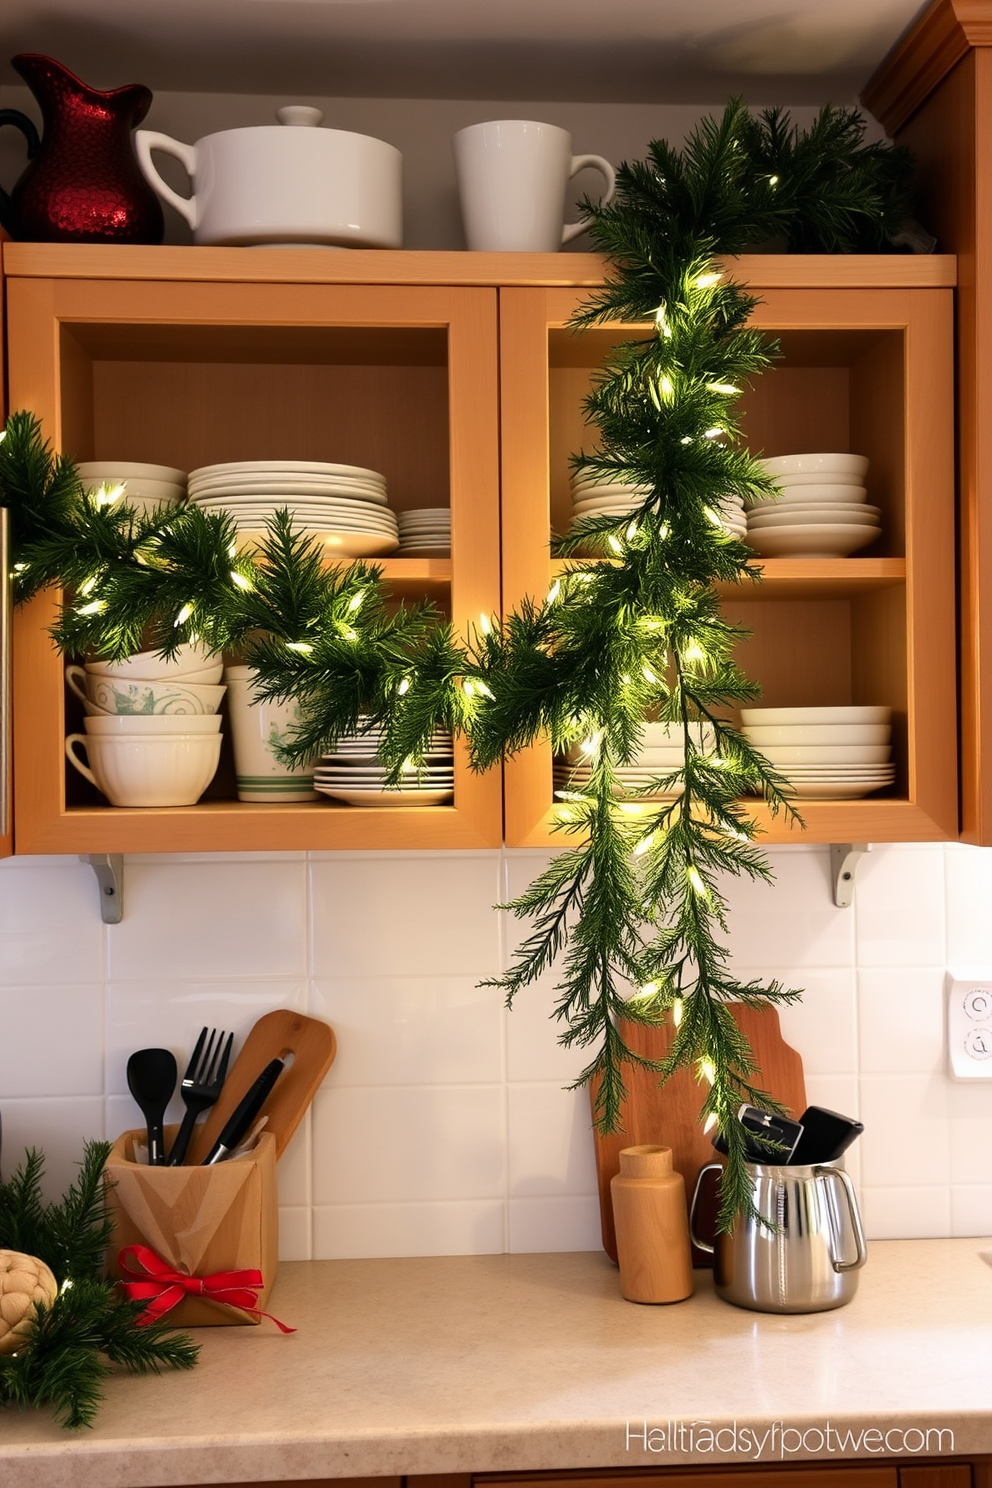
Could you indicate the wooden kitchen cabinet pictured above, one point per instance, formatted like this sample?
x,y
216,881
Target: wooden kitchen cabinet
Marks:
x,y
455,372
866,367
934,94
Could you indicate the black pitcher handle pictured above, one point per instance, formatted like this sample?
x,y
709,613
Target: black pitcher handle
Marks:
x,y
24,124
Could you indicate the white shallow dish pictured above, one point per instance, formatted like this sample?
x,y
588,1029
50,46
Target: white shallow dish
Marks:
x,y
851,516
827,754
407,797
117,470
818,733
339,543
843,713
152,490
279,490
795,494
306,467
849,467
834,540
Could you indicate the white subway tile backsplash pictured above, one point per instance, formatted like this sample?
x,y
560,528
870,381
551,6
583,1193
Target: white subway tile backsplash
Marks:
x,y
191,920
971,1209
901,1019
564,1223
406,915
549,1142
909,1213
344,1231
408,1143
59,1127
53,1039
443,1127
899,906
394,1030
50,927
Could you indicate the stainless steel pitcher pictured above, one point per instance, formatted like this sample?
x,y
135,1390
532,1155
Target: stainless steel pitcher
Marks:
x,y
806,1255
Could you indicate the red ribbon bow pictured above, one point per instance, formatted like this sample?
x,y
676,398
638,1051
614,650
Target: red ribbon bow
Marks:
x,y
161,1288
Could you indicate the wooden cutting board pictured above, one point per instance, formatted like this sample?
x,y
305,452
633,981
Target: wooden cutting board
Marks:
x,y
668,1115
275,1035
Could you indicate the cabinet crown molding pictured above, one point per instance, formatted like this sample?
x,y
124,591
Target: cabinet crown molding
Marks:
x,y
939,40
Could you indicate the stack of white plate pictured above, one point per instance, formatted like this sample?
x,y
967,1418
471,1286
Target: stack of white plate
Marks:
x,y
821,513
425,531
661,752
145,487
594,497
354,774
836,754
342,506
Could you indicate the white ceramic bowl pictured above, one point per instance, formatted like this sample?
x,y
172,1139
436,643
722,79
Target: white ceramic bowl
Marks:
x,y
848,467
806,491
147,490
123,725
159,771
796,516
193,663
830,540
844,713
141,699
827,754
118,470
818,733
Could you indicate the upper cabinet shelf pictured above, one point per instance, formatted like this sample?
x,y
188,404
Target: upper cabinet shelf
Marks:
x,y
455,375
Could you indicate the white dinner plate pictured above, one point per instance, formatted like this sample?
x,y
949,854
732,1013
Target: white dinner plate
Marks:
x,y
848,467
854,516
834,541
845,713
827,754
409,797
337,542
270,490
808,491
306,467
310,517
117,470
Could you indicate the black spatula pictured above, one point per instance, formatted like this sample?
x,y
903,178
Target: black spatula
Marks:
x,y
151,1079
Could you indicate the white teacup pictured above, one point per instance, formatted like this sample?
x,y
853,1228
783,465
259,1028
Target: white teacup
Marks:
x,y
257,730
192,663
512,179
129,697
155,770
119,726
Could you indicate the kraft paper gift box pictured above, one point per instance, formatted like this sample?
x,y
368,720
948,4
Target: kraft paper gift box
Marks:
x,y
199,1220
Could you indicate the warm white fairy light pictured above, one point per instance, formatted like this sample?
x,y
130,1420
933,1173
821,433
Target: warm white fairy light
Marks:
x,y
183,615
483,688
90,585
107,495
468,687
707,280
590,746
677,1010
349,633
666,386
662,322
645,845
239,579
357,600
485,624
707,1070
404,687
554,592
695,881
723,387
693,652
649,675
303,647
615,544
710,1123
686,440
632,531
95,607
715,432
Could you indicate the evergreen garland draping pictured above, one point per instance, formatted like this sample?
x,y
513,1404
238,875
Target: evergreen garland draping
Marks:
x,y
635,907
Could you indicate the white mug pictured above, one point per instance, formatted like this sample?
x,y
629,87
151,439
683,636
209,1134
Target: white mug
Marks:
x,y
286,183
512,179
257,730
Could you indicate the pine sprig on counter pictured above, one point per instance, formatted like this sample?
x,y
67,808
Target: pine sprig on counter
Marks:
x,y
634,909
90,1328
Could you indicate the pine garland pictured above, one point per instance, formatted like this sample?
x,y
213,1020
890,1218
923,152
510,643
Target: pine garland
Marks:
x,y
90,1329
634,908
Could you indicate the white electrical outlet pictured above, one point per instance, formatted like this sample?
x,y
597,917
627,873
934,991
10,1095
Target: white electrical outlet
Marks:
x,y
969,1029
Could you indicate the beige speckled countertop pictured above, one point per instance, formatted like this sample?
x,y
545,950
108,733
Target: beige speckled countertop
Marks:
x,y
499,1363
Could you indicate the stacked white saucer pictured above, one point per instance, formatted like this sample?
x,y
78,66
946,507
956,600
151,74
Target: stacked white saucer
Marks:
x,y
594,497
146,487
342,506
822,511
660,754
837,754
353,773
425,531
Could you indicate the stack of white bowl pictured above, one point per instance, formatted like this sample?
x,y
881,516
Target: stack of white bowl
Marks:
x,y
152,729
425,531
822,511
344,507
146,487
836,754
353,773
661,752
594,497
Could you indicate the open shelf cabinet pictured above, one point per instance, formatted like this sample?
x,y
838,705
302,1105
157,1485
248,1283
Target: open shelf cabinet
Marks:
x,y
192,371
866,367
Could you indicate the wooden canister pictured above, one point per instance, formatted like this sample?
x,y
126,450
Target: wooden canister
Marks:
x,y
652,1227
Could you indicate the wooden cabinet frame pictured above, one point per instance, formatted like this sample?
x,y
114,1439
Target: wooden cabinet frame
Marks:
x,y
897,609
82,319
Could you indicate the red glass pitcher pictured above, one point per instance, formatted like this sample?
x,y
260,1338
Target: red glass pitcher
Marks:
x,y
82,183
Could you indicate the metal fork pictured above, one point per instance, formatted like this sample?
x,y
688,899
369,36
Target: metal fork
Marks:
x,y
201,1086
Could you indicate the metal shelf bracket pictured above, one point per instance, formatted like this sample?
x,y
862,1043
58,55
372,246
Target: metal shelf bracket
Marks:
x,y
844,859
109,870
